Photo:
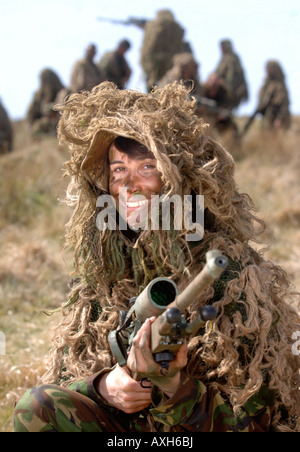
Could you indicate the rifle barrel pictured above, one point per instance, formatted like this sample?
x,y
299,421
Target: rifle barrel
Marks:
x,y
215,265
249,122
113,21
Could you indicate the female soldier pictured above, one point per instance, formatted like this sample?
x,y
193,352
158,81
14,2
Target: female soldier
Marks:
x,y
239,375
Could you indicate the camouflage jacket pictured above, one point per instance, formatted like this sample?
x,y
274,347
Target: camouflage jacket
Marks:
x,y
194,408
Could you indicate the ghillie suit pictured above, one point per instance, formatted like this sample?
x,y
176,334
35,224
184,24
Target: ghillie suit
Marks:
x,y
185,69
6,131
274,98
249,348
231,71
40,115
163,39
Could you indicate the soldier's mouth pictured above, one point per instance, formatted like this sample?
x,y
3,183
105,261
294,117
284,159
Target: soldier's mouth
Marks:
x,y
135,204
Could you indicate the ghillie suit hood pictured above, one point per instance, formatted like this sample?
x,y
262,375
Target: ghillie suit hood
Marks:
x,y
251,339
275,71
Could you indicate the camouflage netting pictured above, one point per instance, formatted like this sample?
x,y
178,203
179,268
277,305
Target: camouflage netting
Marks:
x,y
251,341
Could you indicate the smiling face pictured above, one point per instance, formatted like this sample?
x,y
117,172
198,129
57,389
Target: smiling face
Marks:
x,y
133,179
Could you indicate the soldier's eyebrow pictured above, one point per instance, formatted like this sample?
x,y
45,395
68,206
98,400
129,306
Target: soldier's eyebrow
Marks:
x,y
138,157
115,161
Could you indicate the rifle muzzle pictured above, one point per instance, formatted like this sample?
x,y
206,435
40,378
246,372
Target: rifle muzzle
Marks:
x,y
155,298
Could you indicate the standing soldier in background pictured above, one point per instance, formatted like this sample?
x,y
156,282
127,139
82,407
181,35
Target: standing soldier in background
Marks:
x,y
163,38
85,73
40,114
274,98
6,131
231,71
213,97
114,66
273,103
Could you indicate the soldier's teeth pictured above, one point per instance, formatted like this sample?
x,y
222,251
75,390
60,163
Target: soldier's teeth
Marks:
x,y
133,204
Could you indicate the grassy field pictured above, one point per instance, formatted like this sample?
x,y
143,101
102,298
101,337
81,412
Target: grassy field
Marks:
x,y
34,270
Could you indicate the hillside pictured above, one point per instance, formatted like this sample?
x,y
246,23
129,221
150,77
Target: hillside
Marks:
x,y
34,270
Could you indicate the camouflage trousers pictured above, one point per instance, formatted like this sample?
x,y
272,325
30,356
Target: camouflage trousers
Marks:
x,y
51,408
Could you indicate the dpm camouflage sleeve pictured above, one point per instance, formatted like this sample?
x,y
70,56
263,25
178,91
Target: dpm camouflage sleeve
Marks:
x,y
197,408
78,408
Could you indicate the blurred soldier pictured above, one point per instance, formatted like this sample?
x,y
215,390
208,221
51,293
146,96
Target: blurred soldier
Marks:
x,y
85,73
273,103
215,106
274,98
185,68
6,131
231,71
40,114
163,38
114,66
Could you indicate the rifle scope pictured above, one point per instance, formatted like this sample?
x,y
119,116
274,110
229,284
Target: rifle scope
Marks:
x,y
155,298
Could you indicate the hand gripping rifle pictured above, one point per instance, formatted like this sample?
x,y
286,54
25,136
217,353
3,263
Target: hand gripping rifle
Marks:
x,y
161,299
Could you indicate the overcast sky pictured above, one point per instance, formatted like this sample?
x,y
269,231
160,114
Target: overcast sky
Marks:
x,y
41,33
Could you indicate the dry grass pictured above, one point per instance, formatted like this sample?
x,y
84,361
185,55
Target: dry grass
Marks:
x,y
33,274
269,170
32,270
